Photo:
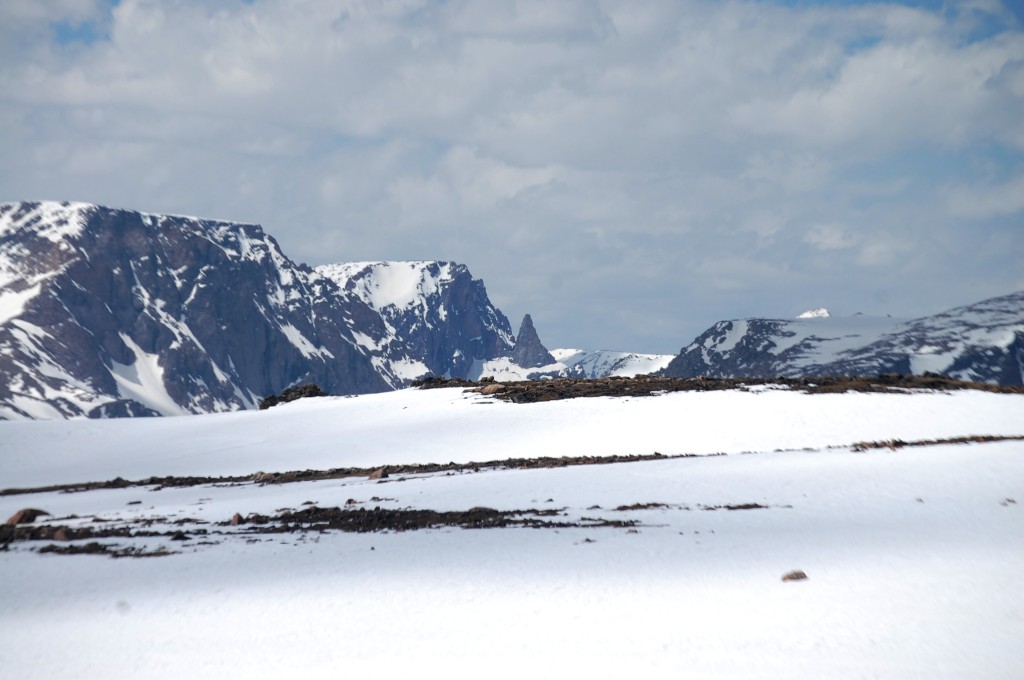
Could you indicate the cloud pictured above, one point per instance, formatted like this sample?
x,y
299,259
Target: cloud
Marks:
x,y
985,201
828,237
792,172
926,91
673,161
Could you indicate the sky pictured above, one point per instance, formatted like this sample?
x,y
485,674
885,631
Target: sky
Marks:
x,y
628,173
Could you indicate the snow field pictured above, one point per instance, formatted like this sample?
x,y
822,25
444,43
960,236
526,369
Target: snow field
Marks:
x,y
442,425
913,556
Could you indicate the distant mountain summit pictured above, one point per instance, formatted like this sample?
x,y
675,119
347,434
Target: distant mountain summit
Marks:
x,y
981,342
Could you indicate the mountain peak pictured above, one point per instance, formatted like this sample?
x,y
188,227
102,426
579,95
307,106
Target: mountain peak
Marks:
x,y
529,351
817,313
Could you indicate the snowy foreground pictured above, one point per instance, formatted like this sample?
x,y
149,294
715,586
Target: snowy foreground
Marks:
x,y
914,556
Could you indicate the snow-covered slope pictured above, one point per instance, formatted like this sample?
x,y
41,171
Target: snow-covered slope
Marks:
x,y
441,425
573,363
660,569
983,342
605,363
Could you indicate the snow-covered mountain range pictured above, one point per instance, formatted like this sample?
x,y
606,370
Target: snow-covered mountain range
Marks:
x,y
982,342
107,312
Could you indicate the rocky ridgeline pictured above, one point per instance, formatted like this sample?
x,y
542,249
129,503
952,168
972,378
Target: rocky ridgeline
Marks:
x,y
982,342
109,313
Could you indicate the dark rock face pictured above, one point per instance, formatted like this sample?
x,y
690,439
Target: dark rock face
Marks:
x,y
110,313
437,318
716,353
141,314
983,342
528,351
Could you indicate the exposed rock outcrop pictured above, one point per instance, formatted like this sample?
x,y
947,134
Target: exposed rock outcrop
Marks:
x,y
529,351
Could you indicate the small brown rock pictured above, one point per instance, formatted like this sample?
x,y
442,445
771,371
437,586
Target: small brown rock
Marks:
x,y
492,389
61,534
26,516
795,575
380,473
236,519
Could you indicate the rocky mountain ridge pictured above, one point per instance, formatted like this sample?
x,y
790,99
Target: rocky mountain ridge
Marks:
x,y
982,342
107,312
435,317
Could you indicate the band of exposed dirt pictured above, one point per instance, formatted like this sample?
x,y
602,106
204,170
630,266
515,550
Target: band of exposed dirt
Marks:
x,y
383,473
308,520
379,473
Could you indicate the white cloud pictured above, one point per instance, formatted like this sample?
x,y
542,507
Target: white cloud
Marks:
x,y
793,172
893,95
670,158
978,202
828,237
883,250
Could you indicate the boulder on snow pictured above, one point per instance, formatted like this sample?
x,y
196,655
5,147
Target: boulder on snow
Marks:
x,y
795,575
291,394
25,516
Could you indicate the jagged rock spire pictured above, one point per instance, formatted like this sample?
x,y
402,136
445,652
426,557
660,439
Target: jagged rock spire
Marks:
x,y
528,351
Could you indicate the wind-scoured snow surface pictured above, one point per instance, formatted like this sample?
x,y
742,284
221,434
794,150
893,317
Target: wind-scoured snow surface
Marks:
x,y
913,555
